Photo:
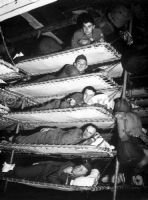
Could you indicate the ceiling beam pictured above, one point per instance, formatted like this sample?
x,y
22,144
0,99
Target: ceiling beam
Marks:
x,y
33,22
34,33
37,25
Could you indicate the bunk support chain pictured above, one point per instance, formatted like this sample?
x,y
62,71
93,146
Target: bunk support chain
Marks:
x,y
12,156
117,165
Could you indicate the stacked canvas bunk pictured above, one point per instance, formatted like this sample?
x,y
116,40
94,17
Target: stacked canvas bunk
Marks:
x,y
104,65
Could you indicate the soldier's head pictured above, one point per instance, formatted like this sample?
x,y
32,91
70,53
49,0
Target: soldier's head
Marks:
x,y
89,131
86,22
81,63
88,93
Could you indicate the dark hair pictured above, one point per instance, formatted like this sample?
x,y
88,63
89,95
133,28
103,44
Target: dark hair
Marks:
x,y
89,88
86,164
84,18
88,167
89,124
116,6
80,57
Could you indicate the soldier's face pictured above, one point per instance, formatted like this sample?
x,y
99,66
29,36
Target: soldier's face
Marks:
x,y
89,131
81,65
88,94
88,28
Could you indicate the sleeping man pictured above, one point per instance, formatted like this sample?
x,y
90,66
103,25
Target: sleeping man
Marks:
x,y
88,96
56,172
77,68
72,100
91,97
86,135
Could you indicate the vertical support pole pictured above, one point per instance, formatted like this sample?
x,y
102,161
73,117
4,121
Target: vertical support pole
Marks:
x,y
117,165
131,25
11,158
116,179
125,73
23,104
124,85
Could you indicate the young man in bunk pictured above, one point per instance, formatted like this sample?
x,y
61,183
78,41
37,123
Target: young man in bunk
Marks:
x,y
88,96
56,136
72,100
86,135
88,33
56,172
92,97
78,68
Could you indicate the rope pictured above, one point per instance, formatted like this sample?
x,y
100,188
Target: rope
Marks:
x,y
5,45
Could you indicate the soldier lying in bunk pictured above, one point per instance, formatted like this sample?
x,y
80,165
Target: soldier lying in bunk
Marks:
x,y
69,173
88,96
56,172
86,135
132,140
72,100
79,66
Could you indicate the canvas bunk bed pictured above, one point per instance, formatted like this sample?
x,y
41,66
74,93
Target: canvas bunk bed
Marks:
x,y
67,188
69,117
63,118
109,60
98,53
35,93
62,87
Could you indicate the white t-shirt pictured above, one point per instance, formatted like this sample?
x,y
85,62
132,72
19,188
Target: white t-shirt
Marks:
x,y
102,99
